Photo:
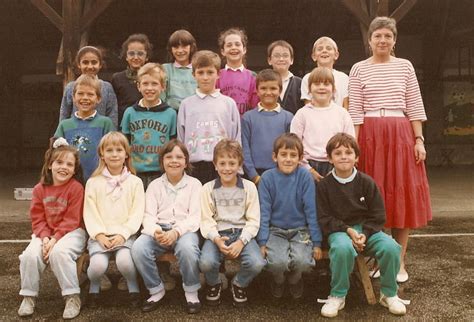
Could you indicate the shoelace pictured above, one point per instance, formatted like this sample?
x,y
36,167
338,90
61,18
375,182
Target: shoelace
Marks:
x,y
406,302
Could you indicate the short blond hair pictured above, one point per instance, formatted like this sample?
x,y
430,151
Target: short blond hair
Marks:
x,y
228,147
154,70
325,39
88,80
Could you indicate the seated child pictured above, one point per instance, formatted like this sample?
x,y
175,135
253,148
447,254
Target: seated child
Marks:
x,y
325,53
262,125
171,222
114,205
280,56
351,215
58,236
206,117
86,126
149,123
289,235
230,221
316,122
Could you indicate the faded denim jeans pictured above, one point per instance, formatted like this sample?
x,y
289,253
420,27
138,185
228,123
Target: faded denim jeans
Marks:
x,y
289,250
251,260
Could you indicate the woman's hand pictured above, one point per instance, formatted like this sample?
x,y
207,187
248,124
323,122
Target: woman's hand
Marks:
x,y
420,152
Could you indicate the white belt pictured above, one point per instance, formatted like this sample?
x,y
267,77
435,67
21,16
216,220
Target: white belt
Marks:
x,y
384,112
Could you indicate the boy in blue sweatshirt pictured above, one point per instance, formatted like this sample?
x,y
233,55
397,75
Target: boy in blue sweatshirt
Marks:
x,y
289,235
262,125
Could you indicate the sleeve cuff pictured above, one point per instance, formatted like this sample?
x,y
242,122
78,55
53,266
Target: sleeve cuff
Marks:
x,y
212,235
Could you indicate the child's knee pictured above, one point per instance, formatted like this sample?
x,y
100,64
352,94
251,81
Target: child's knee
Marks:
x,y
389,247
345,250
60,255
207,264
277,264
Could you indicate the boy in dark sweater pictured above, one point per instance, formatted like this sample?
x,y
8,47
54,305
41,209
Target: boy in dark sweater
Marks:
x,y
351,214
289,235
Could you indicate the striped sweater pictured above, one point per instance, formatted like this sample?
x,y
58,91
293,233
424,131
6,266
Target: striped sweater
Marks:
x,y
391,85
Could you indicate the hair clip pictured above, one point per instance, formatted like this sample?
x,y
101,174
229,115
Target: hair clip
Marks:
x,y
60,142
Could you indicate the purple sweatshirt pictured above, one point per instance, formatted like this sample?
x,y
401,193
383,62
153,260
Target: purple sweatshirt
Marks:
x,y
241,86
204,120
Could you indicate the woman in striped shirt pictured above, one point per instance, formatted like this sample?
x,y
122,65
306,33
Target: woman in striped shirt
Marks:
x,y
387,110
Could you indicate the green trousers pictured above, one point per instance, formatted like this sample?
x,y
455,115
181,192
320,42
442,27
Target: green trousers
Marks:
x,y
342,257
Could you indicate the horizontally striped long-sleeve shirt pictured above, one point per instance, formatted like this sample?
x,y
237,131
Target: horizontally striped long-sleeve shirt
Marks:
x,y
391,85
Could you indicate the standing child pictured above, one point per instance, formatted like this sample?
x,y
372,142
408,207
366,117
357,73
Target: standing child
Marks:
x,y
171,222
89,62
280,56
230,222
113,211
86,127
149,124
352,214
58,234
136,50
235,80
289,235
206,117
180,82
325,54
318,121
261,126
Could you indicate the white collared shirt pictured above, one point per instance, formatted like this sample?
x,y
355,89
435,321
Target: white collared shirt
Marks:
x,y
214,94
344,180
285,83
240,68
85,118
175,64
263,109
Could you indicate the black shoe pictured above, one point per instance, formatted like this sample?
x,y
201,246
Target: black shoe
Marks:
x,y
276,289
296,290
239,295
93,300
150,306
194,308
134,299
213,294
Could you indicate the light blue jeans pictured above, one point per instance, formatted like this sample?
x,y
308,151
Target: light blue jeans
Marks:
x,y
289,250
146,249
251,260
62,259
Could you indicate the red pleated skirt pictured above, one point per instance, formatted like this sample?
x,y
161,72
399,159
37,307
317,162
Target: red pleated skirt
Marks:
x,y
387,155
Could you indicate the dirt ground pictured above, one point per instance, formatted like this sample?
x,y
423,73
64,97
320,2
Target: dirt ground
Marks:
x,y
441,284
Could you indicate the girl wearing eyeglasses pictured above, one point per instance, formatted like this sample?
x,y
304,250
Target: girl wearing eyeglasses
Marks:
x,y
136,50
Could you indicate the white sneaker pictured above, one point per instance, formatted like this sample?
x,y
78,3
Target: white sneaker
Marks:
x,y
332,305
27,306
122,284
105,283
73,306
394,304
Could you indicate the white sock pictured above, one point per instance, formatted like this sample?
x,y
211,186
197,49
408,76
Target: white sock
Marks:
x,y
192,297
157,296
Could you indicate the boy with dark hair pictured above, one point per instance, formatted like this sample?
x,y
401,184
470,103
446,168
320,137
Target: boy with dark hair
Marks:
x,y
351,214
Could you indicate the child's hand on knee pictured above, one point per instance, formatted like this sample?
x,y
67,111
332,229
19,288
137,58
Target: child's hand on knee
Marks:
x,y
235,248
263,251
358,240
220,243
317,253
104,241
48,245
168,238
117,240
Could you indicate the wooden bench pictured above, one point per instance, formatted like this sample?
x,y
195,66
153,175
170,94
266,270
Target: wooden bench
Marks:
x,y
361,268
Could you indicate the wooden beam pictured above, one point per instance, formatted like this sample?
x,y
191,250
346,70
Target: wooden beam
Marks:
x,y
382,8
50,13
90,15
72,11
356,9
364,28
403,9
